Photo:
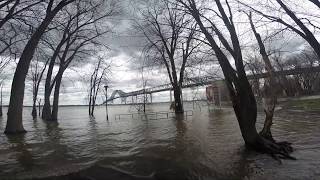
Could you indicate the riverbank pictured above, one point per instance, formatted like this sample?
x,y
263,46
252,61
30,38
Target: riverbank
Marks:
x,y
305,104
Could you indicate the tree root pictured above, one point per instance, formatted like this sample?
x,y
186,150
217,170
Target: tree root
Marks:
x,y
278,150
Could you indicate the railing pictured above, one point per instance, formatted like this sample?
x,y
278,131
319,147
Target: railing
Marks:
x,y
152,115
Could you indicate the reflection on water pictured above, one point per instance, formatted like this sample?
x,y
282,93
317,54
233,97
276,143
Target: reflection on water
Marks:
x,y
207,145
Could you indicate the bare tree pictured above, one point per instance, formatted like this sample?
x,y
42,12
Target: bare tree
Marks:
x,y
241,94
306,81
14,120
301,25
170,35
79,40
255,66
98,76
4,62
11,9
270,86
315,2
37,69
11,23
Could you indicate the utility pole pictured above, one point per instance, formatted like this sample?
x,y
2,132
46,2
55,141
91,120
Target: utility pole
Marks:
x,y
144,96
39,106
1,102
106,88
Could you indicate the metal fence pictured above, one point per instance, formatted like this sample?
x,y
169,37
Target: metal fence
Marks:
x,y
152,115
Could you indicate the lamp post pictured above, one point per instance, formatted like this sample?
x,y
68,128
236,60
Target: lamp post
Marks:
x,y
106,88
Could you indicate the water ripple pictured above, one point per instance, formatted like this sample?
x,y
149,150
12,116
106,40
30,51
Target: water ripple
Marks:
x,y
206,146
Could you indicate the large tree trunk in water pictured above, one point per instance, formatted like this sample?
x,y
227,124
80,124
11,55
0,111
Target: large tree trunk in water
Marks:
x,y
90,102
34,103
269,103
46,110
93,107
241,94
245,108
14,121
34,110
55,104
177,100
266,131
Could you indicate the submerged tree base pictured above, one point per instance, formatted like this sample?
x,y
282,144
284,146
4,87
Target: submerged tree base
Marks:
x,y
278,150
14,132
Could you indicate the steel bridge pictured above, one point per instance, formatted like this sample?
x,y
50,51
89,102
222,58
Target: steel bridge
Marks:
x,y
204,80
188,82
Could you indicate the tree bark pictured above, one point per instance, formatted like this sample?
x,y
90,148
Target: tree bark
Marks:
x,y
266,131
55,104
46,110
34,110
34,96
177,99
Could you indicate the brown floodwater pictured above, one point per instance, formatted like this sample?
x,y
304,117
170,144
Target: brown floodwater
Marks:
x,y
207,145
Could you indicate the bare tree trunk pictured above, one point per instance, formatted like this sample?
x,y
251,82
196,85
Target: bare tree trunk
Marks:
x,y
90,100
37,78
34,96
34,109
266,131
245,108
90,114
46,109
55,104
39,107
34,99
93,107
177,99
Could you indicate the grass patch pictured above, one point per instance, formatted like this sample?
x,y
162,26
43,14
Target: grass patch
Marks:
x,y
308,104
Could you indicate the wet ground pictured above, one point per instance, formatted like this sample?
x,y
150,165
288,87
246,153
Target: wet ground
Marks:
x,y
207,145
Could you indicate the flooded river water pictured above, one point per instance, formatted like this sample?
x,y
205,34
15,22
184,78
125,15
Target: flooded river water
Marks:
x,y
207,145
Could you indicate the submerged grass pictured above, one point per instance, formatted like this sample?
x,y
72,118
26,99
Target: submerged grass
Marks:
x,y
307,104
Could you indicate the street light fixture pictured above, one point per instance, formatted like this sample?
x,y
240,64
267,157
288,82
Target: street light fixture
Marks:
x,y
106,88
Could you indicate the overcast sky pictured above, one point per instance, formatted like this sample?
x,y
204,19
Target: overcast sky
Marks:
x,y
124,55
126,58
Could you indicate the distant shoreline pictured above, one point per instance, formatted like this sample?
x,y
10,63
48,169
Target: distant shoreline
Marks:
x,y
104,104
